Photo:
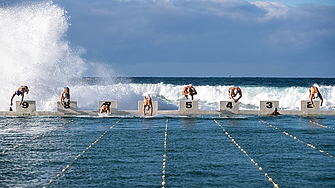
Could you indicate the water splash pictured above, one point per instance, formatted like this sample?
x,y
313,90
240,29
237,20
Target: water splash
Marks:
x,y
33,52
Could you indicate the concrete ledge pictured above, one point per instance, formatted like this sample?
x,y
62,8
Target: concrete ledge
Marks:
x,y
186,107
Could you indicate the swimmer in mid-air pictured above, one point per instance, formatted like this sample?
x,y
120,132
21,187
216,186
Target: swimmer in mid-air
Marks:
x,y
65,95
20,91
105,108
189,90
147,104
275,112
313,94
233,91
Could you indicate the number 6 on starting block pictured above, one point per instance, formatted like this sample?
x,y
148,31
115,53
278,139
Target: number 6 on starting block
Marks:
x,y
229,106
112,106
266,107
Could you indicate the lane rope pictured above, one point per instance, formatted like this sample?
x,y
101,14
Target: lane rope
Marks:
x,y
79,155
251,159
295,138
323,126
164,155
30,140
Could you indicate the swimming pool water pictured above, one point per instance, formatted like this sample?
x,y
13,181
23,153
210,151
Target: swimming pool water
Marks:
x,y
198,151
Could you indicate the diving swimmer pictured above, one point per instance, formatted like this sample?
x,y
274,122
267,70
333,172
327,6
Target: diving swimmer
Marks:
x,y
105,108
65,95
233,91
313,94
147,104
20,91
189,90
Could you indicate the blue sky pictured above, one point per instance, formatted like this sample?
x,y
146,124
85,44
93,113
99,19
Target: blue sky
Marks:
x,y
206,37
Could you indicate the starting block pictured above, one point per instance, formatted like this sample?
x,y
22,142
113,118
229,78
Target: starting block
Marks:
x,y
67,108
26,106
229,106
147,112
307,108
112,106
188,107
267,107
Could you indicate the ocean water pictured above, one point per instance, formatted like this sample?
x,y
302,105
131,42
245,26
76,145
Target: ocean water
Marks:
x,y
129,151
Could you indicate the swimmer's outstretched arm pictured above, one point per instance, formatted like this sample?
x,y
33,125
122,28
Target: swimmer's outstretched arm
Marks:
x,y
22,96
321,99
11,99
311,100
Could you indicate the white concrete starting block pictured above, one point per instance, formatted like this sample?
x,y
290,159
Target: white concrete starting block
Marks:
x,y
267,107
307,108
26,106
147,112
67,108
112,105
229,106
188,107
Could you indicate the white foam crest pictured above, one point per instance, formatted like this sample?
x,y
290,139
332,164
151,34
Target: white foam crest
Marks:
x,y
209,96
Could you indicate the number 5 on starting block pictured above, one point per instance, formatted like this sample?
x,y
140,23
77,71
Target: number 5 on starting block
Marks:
x,y
188,107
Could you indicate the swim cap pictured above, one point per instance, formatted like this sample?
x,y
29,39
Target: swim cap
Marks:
x,y
275,108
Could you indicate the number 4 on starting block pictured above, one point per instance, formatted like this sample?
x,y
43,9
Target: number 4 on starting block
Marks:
x,y
229,106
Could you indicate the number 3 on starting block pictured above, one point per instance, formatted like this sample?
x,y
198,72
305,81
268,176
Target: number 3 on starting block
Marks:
x,y
266,107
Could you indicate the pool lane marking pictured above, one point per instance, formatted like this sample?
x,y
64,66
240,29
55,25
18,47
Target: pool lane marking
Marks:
x,y
251,159
295,138
79,155
30,140
323,126
164,155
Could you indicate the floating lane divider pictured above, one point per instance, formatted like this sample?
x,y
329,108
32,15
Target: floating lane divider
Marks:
x,y
164,155
79,155
295,138
251,159
316,123
30,140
